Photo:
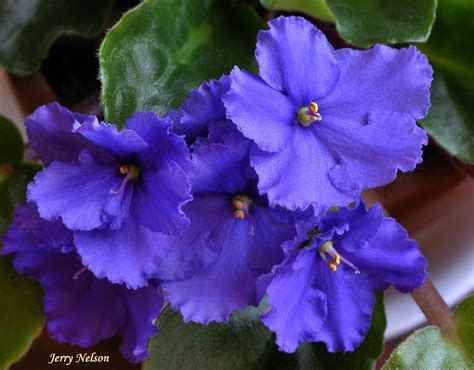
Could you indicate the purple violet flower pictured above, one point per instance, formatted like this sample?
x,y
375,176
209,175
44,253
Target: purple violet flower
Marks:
x,y
80,308
324,290
328,123
234,235
119,191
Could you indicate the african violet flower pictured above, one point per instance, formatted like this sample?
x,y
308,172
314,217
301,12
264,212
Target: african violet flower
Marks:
x,y
117,190
234,235
328,123
200,107
80,309
324,290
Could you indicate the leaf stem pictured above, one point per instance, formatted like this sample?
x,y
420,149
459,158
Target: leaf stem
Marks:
x,y
435,309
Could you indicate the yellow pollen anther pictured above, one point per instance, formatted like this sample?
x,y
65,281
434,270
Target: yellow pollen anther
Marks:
x,y
237,204
336,259
124,170
313,107
239,214
307,115
332,267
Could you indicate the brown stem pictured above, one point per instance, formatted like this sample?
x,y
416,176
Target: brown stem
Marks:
x,y
435,309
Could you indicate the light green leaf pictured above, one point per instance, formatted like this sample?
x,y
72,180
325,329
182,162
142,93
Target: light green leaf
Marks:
x,y
367,22
464,315
245,343
21,315
427,349
314,8
451,118
162,49
29,27
11,143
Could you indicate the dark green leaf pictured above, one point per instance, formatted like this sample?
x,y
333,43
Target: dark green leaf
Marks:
x,y
315,8
245,343
464,314
427,349
29,27
366,22
451,118
447,47
163,48
21,316
11,143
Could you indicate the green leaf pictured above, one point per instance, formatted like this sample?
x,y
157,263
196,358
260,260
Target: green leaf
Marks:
x,y
29,27
315,8
366,22
162,49
451,118
427,349
464,315
21,316
245,343
11,143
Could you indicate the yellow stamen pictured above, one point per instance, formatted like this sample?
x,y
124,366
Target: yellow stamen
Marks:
x,y
332,267
239,214
124,169
313,107
237,204
337,259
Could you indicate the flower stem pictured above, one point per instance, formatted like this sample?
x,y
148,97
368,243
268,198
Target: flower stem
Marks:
x,y
435,309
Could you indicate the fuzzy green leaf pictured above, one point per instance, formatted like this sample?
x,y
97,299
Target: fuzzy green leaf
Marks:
x,y
162,49
245,343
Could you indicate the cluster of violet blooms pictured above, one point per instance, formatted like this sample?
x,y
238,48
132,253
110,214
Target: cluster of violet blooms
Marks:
x,y
240,194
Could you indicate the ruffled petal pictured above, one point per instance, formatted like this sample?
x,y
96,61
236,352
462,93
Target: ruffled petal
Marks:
x,y
220,163
391,258
50,235
297,309
200,107
350,302
129,255
50,129
105,137
262,114
224,286
162,144
370,153
295,57
143,307
380,79
357,225
81,309
299,176
158,199
196,248
81,193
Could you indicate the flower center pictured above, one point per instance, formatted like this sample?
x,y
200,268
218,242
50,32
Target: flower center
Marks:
x,y
308,115
241,204
327,249
131,172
